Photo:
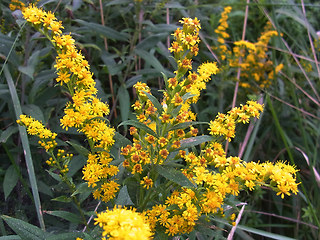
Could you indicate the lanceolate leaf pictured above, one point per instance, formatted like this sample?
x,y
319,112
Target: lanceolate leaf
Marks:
x,y
65,236
138,125
150,59
71,217
10,237
103,30
26,146
185,125
124,100
155,102
194,141
25,230
174,176
10,181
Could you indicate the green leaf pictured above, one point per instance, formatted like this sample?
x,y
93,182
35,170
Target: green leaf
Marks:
x,y
66,236
174,175
138,125
123,197
187,96
103,30
79,149
194,141
117,2
264,233
33,111
150,59
81,188
120,140
25,230
185,125
10,181
7,133
26,146
71,217
124,100
155,102
62,199
10,237
151,41
54,175
75,164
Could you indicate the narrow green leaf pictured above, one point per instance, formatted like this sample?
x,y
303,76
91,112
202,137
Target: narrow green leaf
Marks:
x,y
26,146
54,175
62,199
25,230
150,59
80,149
138,125
44,188
123,197
185,125
194,141
66,236
7,133
124,100
33,111
81,188
264,233
187,96
75,164
71,217
174,175
103,30
151,41
10,237
117,2
121,141
10,181
155,102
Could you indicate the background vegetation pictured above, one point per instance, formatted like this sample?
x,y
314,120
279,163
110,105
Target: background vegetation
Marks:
x,y
125,42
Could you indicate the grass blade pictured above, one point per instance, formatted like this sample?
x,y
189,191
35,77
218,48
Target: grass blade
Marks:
x,y
26,147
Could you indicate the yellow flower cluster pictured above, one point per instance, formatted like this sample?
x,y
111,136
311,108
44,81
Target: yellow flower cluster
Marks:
x,y
225,124
16,4
36,128
159,135
61,161
184,207
222,34
85,112
234,175
154,146
97,173
254,61
123,224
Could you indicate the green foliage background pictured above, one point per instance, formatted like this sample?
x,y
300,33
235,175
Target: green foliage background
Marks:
x,y
131,46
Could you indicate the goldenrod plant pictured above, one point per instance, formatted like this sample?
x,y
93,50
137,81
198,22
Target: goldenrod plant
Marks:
x,y
257,69
175,181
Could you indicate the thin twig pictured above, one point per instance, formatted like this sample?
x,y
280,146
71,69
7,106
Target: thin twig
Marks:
x,y
285,218
300,88
248,134
291,53
290,105
310,39
236,88
168,22
106,48
233,229
95,210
